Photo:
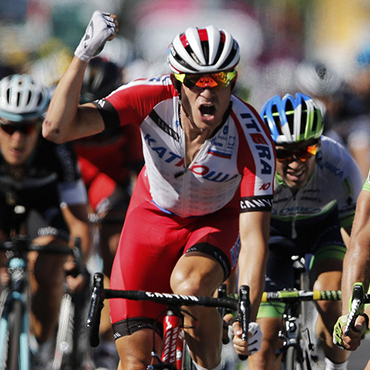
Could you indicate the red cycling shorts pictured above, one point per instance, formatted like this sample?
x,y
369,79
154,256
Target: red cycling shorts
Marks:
x,y
152,241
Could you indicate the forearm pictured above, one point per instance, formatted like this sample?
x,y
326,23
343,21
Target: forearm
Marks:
x,y
76,218
254,234
62,122
252,273
356,268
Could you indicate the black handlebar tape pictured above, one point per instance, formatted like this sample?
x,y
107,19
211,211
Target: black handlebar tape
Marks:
x,y
244,313
96,305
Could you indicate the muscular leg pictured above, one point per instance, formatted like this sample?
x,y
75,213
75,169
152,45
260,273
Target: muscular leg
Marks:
x,y
265,358
198,274
136,349
329,311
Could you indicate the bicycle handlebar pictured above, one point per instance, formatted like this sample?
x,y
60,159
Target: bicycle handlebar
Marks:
x,y
242,306
302,295
22,244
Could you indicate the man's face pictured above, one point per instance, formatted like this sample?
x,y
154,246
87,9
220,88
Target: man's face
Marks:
x,y
18,140
205,100
296,163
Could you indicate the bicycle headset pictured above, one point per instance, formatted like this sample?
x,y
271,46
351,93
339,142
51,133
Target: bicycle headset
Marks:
x,y
292,119
100,79
22,98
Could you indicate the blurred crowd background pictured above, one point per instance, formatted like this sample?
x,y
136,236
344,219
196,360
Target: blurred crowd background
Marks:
x,y
319,47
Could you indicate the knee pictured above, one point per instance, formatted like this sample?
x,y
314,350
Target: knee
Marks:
x,y
185,284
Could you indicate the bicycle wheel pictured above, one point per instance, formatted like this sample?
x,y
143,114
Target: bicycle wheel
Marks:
x,y
81,355
15,328
293,360
188,363
63,346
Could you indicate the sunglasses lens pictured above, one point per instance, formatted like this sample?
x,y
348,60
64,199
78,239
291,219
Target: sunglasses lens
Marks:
x,y
218,80
283,155
25,128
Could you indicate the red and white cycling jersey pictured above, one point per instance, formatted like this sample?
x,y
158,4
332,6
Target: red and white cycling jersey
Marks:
x,y
240,153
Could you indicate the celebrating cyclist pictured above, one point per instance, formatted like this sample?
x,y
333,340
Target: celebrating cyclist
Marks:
x,y
356,269
316,187
44,178
209,167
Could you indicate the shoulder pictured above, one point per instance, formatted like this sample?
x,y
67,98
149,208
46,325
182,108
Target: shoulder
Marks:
x,y
156,87
334,160
333,152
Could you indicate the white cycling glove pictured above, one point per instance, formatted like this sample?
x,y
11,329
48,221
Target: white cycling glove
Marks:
x,y
255,341
100,28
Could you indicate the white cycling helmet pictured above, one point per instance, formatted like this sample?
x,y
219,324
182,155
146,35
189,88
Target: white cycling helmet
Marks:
x,y
22,98
205,50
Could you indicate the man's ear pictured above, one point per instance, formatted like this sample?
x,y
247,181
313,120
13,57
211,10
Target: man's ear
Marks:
x,y
176,83
233,82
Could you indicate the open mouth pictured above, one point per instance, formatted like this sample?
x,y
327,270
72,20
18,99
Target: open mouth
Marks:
x,y
207,110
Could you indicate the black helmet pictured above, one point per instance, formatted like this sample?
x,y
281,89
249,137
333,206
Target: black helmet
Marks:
x,y
100,79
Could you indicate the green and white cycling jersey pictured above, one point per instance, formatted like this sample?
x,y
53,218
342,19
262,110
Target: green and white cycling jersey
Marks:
x,y
333,187
366,185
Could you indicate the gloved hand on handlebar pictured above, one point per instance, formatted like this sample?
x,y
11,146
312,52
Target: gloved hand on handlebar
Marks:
x,y
102,27
353,340
254,338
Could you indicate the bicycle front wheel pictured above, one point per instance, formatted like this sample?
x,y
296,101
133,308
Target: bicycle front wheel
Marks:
x,y
15,328
293,359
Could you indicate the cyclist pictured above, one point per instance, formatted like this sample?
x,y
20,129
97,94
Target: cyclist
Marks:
x,y
316,187
44,178
356,268
109,182
208,158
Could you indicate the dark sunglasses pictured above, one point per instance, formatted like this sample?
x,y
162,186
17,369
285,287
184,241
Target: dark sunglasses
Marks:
x,y
218,80
23,128
284,155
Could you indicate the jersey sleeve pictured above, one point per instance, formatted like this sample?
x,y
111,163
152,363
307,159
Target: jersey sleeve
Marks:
x,y
256,161
366,185
132,102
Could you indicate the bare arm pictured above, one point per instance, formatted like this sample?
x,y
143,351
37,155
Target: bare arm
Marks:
x,y
66,120
254,235
356,266
76,218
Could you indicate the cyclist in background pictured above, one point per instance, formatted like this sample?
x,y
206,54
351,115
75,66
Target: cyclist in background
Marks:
x,y
44,178
356,268
209,163
109,162
316,187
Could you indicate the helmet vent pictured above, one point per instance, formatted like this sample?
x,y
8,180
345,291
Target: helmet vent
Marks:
x,y
275,115
289,110
303,118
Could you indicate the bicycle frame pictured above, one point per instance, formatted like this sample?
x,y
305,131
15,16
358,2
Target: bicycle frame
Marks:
x,y
17,296
16,303
294,334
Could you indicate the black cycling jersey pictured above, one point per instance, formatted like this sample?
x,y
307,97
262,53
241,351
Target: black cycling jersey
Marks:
x,y
49,178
